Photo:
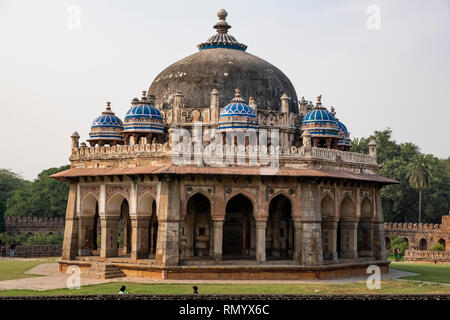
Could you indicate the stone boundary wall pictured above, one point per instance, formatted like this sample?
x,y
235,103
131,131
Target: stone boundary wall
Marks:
x,y
420,236
34,225
427,256
36,251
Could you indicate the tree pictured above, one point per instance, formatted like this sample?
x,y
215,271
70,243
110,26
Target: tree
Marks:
x,y
399,243
420,176
9,183
45,197
400,201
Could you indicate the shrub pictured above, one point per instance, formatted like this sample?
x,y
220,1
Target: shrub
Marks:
x,y
399,243
31,239
437,247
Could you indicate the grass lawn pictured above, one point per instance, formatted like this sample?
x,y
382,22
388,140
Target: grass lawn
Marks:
x,y
427,271
387,287
15,268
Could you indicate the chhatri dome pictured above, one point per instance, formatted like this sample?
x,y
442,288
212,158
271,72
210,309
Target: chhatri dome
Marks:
x,y
143,120
321,126
237,115
344,142
106,129
222,63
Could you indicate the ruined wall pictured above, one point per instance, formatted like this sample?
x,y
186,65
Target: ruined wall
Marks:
x,y
420,236
36,251
34,225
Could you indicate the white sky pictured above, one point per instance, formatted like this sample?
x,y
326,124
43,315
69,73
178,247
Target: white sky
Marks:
x,y
55,80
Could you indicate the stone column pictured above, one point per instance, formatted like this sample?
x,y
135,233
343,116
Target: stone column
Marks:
x,y
329,235
85,239
261,241
167,247
139,240
349,236
298,241
379,246
218,239
311,226
70,244
109,237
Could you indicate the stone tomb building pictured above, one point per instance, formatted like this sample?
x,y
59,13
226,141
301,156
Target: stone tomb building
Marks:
x,y
272,192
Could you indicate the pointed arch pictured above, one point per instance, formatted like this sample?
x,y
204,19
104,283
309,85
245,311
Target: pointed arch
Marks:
x,y
327,210
239,228
347,209
113,206
280,228
197,233
145,204
247,195
366,209
88,204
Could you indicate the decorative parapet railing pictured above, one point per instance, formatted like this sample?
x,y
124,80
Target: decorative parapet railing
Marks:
x,y
212,150
427,256
411,226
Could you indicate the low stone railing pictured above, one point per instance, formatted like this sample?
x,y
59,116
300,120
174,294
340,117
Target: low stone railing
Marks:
x,y
85,152
427,256
36,251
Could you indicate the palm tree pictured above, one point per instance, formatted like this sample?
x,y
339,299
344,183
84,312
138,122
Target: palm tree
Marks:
x,y
358,145
420,176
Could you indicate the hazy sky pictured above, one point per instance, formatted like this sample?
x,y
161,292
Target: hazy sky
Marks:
x,y
55,79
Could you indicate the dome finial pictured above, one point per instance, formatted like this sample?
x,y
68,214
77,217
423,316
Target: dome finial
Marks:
x,y
108,106
222,39
333,111
237,96
319,100
222,14
222,26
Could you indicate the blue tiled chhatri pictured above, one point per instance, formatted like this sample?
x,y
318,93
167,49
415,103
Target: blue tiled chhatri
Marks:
x,y
107,127
238,115
143,117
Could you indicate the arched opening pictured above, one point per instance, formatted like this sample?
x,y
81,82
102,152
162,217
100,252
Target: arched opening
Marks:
x,y
442,243
280,229
423,244
117,231
239,228
87,233
387,242
124,229
153,231
147,209
198,227
407,242
347,229
365,230
97,233
329,229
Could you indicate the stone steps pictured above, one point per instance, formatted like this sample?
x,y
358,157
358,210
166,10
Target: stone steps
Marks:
x,y
103,271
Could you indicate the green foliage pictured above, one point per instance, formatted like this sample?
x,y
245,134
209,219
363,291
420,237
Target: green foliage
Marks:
x,y
437,247
45,197
399,243
9,183
401,201
120,240
32,239
420,171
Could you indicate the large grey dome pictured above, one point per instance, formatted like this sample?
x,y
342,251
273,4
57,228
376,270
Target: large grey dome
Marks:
x,y
223,64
